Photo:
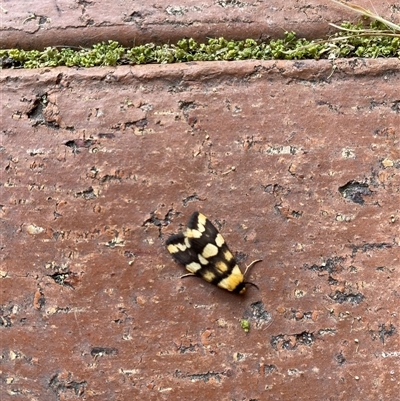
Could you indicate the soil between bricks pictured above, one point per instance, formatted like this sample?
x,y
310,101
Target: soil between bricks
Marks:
x,y
99,166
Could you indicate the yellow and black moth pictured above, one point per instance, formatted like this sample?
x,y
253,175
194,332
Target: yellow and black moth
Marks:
x,y
204,253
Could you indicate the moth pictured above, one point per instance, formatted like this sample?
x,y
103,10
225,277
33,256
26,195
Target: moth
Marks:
x,y
204,253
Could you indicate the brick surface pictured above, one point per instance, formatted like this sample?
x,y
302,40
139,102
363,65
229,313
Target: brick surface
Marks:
x,y
297,163
99,166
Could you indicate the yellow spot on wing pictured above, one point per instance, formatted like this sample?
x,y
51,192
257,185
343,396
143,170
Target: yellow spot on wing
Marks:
x,y
221,266
193,233
228,256
219,240
193,267
181,247
202,260
174,248
209,251
202,219
208,276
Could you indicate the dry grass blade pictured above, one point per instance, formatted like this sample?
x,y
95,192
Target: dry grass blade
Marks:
x,y
367,13
333,44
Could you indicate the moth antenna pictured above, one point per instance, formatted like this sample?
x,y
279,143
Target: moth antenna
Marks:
x,y
254,285
251,264
187,275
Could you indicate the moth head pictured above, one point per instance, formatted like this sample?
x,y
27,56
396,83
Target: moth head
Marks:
x,y
241,288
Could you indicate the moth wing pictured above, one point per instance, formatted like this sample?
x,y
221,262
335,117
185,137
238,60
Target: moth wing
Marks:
x,y
178,248
201,232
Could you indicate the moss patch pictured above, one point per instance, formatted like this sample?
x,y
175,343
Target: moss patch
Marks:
x,y
352,40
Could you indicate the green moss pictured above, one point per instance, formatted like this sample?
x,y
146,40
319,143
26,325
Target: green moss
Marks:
x,y
245,325
352,40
